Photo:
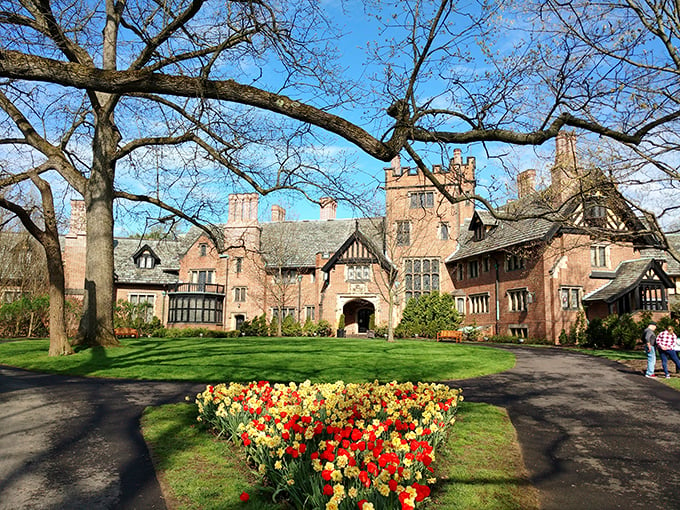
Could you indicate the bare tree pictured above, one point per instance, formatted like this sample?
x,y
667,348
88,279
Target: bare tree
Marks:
x,y
197,141
435,84
48,237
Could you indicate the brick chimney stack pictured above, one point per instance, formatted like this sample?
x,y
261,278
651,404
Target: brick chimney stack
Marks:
x,y
278,213
243,208
328,208
564,174
78,222
526,183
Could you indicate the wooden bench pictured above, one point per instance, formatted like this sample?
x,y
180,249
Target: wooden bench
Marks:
x,y
456,336
126,332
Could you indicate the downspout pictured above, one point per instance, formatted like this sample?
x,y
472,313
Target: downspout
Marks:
x,y
498,302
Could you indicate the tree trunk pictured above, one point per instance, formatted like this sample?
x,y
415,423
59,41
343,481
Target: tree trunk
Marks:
x,y
59,344
30,324
390,316
96,325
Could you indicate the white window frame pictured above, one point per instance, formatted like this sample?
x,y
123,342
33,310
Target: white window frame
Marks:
x,y
358,272
598,252
479,303
570,297
240,294
517,300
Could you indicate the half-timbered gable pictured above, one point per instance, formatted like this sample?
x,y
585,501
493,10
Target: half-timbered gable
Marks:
x,y
635,285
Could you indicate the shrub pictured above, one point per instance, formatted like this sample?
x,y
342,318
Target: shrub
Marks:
x,y
563,338
273,327
26,317
323,328
257,327
371,322
426,315
341,321
131,315
598,335
505,339
381,331
663,323
626,332
577,332
290,327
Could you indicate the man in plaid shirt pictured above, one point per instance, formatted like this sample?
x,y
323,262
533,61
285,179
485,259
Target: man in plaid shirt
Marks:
x,y
665,341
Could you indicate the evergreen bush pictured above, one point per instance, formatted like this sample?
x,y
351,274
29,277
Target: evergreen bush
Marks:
x,y
428,314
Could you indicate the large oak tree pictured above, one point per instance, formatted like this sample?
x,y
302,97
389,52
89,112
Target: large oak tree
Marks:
x,y
219,75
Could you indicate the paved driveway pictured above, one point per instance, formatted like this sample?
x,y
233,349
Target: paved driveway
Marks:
x,y
74,443
593,435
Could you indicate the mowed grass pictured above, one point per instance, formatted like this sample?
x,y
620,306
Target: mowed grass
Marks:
x,y
480,466
272,359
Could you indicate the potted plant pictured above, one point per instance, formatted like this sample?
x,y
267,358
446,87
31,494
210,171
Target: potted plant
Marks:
x,y
341,326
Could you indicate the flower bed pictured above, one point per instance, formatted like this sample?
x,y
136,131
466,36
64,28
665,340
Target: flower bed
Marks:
x,y
337,446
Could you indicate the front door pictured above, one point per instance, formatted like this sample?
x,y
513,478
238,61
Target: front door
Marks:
x,y
240,319
363,319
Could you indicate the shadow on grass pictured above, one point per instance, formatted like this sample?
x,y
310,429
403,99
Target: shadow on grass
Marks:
x,y
219,472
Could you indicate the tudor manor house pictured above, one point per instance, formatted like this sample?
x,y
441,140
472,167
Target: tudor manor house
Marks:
x,y
529,277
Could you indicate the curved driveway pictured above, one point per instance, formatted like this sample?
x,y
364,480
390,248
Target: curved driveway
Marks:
x,y
593,435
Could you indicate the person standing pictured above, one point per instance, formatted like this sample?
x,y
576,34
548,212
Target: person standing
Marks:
x,y
649,341
666,341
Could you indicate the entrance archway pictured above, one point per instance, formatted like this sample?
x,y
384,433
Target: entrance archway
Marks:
x,y
357,315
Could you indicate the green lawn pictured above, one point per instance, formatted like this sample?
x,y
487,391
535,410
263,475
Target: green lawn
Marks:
x,y
480,465
479,468
272,359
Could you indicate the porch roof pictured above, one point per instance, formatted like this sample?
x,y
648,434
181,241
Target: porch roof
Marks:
x,y
628,275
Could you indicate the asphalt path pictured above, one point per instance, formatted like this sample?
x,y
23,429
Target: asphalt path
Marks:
x,y
593,434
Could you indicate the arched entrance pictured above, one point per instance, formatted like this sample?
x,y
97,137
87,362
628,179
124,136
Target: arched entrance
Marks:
x,y
357,315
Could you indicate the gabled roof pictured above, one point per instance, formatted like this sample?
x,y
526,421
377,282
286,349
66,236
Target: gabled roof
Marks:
x,y
296,243
673,266
142,250
504,234
543,220
358,236
167,254
627,276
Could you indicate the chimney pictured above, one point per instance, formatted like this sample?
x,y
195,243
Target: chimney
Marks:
x,y
328,208
564,173
457,157
395,164
243,207
78,221
526,183
278,213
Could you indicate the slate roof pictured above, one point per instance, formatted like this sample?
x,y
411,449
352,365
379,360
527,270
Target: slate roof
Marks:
x,y
506,233
627,276
673,266
168,251
302,240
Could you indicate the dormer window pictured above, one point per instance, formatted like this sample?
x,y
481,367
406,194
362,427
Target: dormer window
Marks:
x,y
480,231
146,261
145,258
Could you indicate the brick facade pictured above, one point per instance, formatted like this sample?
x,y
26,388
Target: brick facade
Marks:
x,y
531,282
